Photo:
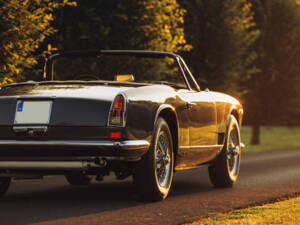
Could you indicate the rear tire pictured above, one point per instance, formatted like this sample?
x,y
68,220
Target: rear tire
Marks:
x,y
4,184
78,179
225,170
153,174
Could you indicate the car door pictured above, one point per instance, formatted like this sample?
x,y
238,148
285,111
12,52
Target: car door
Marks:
x,y
202,116
200,109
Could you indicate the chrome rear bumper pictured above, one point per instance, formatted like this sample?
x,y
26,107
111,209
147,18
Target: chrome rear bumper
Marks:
x,y
67,155
125,145
59,150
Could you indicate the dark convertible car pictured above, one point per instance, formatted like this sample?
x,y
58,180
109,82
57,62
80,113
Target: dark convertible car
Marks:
x,y
137,113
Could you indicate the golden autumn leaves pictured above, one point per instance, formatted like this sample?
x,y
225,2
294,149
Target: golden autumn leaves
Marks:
x,y
25,25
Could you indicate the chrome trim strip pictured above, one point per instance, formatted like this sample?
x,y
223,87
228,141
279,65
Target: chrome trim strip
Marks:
x,y
201,146
126,145
131,145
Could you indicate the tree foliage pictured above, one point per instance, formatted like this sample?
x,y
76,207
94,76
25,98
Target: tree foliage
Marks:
x,y
24,26
134,24
161,23
94,25
131,24
274,93
222,34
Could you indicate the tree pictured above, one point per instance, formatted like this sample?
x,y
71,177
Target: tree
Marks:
x,y
134,24
24,26
273,96
161,23
131,24
222,34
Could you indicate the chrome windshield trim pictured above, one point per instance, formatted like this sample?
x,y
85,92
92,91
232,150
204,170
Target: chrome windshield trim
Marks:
x,y
126,145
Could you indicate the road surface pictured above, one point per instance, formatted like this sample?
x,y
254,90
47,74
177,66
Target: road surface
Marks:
x,y
264,177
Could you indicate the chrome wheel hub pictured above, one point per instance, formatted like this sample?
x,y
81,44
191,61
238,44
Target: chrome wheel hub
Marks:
x,y
162,160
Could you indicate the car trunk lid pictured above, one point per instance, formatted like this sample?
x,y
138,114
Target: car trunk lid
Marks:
x,y
71,105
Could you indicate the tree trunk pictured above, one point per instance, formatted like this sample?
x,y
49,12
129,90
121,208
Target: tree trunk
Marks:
x,y
255,139
256,109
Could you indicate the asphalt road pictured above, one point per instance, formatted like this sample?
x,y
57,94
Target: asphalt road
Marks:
x,y
264,178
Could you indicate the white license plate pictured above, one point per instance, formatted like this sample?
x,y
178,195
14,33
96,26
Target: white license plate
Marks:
x,y
33,112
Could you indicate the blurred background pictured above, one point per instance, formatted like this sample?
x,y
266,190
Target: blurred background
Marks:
x,y
247,48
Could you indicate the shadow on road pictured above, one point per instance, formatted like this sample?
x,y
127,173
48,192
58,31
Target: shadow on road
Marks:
x,y
52,198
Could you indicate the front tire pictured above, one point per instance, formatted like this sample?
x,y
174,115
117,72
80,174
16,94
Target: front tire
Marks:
x,y
225,170
4,184
153,174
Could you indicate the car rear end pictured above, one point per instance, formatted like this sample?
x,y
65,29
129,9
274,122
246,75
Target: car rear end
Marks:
x,y
43,131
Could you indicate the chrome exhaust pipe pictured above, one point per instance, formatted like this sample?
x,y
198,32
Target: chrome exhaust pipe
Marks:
x,y
53,165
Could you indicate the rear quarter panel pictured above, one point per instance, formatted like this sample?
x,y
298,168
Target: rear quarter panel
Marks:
x,y
142,106
225,106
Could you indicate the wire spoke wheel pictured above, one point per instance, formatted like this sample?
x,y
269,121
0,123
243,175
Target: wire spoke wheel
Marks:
x,y
162,160
153,174
233,152
225,170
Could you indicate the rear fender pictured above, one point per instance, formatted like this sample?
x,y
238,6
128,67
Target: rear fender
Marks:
x,y
238,114
174,126
165,107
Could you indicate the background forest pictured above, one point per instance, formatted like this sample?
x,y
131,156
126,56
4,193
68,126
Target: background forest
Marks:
x,y
247,48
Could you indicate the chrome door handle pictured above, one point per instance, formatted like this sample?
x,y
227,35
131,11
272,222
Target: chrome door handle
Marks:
x,y
189,105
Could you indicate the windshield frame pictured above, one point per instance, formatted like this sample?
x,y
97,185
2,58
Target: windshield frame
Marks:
x,y
48,69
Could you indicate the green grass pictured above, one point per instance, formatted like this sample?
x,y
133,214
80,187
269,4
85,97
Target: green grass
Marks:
x,y
285,212
272,138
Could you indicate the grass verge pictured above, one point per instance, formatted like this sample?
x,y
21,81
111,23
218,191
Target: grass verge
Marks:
x,y
272,138
285,212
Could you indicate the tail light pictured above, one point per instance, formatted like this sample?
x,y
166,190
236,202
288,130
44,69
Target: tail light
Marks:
x,y
117,112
